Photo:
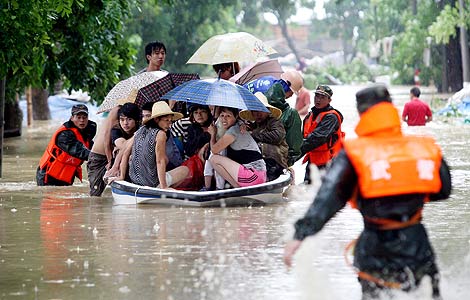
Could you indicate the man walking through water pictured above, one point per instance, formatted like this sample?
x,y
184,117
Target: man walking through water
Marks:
x,y
321,131
416,112
68,148
388,177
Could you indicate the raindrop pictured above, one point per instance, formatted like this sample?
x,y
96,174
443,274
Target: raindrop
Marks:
x,y
124,289
156,227
95,232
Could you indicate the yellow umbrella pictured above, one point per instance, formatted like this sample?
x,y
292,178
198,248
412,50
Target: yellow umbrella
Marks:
x,y
231,47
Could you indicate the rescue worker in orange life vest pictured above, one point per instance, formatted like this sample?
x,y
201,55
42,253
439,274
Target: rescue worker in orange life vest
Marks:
x,y
68,148
321,131
388,177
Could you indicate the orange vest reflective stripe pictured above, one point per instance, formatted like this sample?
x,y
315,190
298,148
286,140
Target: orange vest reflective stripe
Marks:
x,y
380,163
323,154
58,163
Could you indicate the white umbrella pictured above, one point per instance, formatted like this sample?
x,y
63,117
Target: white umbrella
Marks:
x,y
126,90
231,47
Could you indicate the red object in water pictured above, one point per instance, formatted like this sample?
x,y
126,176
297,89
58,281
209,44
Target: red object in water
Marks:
x,y
416,77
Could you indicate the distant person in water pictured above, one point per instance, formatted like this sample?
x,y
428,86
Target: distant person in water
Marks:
x,y
416,112
68,148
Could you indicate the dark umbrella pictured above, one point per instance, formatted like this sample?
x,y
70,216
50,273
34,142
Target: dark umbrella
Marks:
x,y
153,91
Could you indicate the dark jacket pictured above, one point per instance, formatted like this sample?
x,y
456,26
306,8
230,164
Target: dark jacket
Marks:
x,y
271,139
68,142
290,119
373,245
324,132
195,139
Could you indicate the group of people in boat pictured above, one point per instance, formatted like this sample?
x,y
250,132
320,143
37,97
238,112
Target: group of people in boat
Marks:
x,y
192,147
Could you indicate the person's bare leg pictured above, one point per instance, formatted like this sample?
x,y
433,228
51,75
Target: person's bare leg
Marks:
x,y
178,175
208,182
226,168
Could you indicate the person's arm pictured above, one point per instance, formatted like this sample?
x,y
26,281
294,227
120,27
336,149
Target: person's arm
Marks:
x,y
336,189
108,124
404,115
274,133
161,158
124,165
222,143
446,181
321,135
67,141
120,143
118,170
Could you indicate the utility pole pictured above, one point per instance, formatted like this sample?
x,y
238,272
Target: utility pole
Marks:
x,y
464,47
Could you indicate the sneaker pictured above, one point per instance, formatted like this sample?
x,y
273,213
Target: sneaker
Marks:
x,y
204,189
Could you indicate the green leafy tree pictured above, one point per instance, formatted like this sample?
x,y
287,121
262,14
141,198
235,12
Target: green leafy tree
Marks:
x,y
447,22
183,26
344,19
78,42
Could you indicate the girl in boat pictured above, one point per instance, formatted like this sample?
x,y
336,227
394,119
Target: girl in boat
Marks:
x,y
244,164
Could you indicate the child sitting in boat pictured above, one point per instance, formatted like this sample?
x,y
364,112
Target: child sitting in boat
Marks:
x,y
244,164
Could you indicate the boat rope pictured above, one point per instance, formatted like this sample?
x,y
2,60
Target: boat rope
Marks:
x,y
365,275
135,194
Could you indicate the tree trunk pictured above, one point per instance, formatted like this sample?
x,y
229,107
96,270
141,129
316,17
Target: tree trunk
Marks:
x,y
454,65
464,48
40,106
414,7
285,33
442,84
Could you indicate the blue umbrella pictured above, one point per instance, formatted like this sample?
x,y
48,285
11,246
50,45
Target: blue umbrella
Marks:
x,y
217,92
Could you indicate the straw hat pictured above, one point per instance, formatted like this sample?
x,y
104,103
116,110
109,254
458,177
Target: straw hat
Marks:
x,y
129,99
294,79
161,108
275,112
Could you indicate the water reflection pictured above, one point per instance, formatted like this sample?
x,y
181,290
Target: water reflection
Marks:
x,y
58,243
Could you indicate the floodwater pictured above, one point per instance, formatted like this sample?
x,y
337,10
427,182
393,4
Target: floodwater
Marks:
x,y
59,243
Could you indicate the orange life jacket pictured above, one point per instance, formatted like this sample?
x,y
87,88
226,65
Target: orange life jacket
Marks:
x,y
323,154
58,163
388,163
396,165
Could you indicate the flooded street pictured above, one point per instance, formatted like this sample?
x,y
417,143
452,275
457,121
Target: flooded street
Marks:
x,y
59,243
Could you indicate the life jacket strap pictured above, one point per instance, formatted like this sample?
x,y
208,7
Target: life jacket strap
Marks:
x,y
389,224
